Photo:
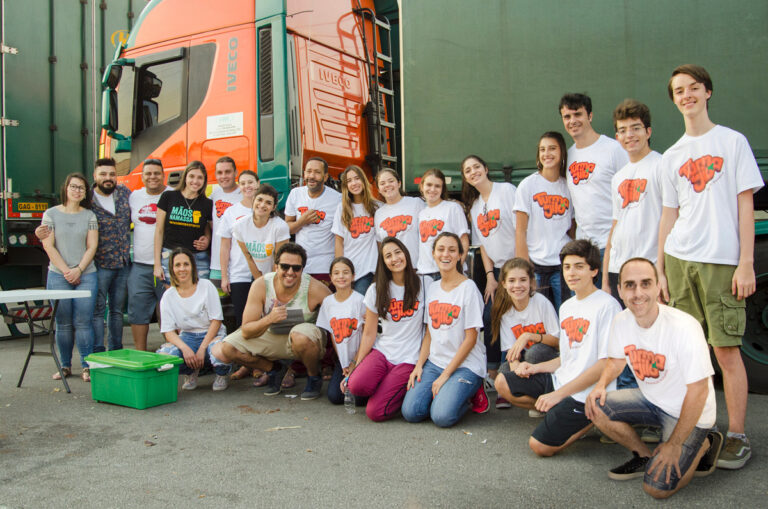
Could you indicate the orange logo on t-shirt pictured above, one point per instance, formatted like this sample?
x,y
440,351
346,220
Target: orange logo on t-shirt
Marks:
x,y
320,214
343,328
552,204
535,328
396,224
575,329
360,225
631,190
645,363
701,171
580,171
221,207
443,313
430,228
487,222
396,311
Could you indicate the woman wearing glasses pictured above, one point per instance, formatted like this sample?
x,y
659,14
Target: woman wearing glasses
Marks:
x,y
70,246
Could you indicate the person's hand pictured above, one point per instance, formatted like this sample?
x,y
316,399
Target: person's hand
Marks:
x,y
415,377
202,243
547,401
72,276
595,398
490,288
664,293
665,458
158,272
200,356
278,313
513,354
524,370
42,232
225,283
438,383
343,384
743,283
190,357
309,217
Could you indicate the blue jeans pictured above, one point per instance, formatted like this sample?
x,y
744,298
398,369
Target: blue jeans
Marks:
x,y
550,284
77,313
113,286
451,402
202,261
362,284
194,340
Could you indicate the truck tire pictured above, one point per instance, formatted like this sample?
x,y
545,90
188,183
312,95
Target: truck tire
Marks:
x,y
754,349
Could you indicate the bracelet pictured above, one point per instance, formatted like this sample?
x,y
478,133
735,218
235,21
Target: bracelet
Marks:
x,y
541,337
488,272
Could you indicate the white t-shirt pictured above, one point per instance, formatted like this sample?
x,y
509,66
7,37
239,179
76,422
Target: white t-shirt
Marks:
x,y
446,216
106,202
666,357
317,238
193,313
636,195
359,239
344,320
261,242
448,316
539,317
401,330
550,214
401,221
589,174
493,223
221,202
143,216
584,333
702,176
238,268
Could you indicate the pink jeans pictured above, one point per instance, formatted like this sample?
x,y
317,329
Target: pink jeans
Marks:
x,y
382,382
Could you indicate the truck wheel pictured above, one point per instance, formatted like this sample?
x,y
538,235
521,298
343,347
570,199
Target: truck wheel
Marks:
x,y
754,349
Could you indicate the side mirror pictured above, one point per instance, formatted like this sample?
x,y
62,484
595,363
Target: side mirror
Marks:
x,y
112,76
109,116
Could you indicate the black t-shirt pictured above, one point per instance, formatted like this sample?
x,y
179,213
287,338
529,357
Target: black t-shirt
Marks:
x,y
185,220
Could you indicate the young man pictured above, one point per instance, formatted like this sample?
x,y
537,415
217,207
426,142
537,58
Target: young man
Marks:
x,y
559,387
635,194
269,334
144,291
309,212
706,238
593,159
226,194
669,358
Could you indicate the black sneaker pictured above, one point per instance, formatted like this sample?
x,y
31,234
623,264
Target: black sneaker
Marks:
x,y
631,469
312,390
708,462
275,379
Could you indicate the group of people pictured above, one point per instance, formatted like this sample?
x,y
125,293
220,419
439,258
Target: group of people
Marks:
x,y
378,290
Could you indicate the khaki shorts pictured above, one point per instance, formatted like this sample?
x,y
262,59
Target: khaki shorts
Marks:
x,y
277,346
703,290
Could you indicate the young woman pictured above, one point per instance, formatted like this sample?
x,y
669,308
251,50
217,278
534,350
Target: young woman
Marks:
x,y
384,362
353,226
440,215
399,216
491,213
192,316
184,220
451,366
342,315
70,246
545,217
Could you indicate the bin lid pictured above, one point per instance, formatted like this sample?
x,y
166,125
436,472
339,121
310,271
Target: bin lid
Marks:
x,y
133,360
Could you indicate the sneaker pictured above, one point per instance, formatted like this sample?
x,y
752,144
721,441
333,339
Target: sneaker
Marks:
x,y
535,414
650,435
221,382
479,402
312,389
502,403
275,378
708,462
190,382
735,453
632,469
489,385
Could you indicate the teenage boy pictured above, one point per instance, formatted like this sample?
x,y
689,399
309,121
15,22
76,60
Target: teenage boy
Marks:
x,y
593,160
668,355
706,238
226,194
309,212
635,194
559,387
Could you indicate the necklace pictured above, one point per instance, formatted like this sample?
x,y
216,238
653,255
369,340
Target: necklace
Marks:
x,y
189,205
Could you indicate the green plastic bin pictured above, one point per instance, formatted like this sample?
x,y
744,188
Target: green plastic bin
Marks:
x,y
133,379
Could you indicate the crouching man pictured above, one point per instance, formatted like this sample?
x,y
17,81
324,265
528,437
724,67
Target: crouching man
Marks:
x,y
278,323
668,355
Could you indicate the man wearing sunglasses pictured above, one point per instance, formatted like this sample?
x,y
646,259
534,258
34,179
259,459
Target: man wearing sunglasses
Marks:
x,y
278,324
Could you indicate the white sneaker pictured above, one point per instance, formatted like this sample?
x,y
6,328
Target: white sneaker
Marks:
x,y
221,382
190,382
535,414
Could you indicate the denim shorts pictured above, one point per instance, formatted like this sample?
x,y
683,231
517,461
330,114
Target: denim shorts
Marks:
x,y
630,406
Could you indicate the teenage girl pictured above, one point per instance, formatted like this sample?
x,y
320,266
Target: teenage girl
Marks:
x,y
399,216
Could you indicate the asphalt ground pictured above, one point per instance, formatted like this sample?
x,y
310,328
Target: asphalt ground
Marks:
x,y
228,449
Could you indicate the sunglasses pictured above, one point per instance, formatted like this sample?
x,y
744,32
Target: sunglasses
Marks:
x,y
285,267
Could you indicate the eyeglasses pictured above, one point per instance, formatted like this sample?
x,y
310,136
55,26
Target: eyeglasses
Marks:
x,y
76,188
285,267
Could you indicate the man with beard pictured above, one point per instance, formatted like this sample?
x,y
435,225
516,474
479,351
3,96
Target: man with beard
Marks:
x,y
144,291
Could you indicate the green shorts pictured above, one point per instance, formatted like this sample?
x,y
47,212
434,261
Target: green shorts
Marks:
x,y
277,346
703,290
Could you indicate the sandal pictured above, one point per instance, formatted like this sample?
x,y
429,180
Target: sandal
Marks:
x,y
67,373
261,381
241,373
86,375
289,380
